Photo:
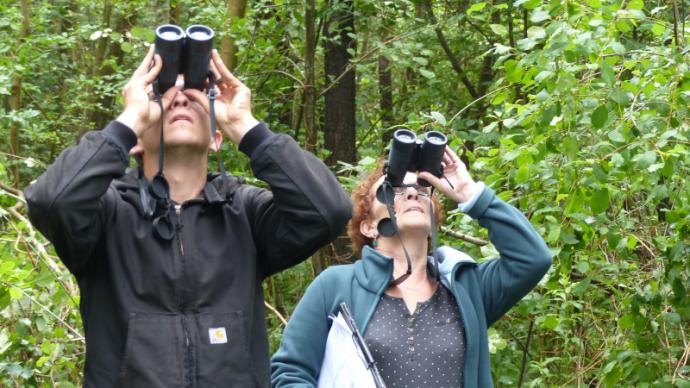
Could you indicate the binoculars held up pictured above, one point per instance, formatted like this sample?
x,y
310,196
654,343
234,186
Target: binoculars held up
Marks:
x,y
408,153
187,53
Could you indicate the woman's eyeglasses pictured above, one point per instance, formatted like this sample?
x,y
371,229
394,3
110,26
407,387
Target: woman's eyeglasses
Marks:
x,y
424,192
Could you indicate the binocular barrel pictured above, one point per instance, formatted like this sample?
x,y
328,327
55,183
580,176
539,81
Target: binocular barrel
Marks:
x,y
411,154
400,156
187,54
197,56
169,42
431,154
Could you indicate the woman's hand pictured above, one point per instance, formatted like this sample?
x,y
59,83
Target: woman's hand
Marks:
x,y
463,186
233,104
141,111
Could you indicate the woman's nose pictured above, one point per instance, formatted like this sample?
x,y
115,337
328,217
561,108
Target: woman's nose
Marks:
x,y
411,193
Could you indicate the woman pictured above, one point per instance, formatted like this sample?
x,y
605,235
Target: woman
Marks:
x,y
422,333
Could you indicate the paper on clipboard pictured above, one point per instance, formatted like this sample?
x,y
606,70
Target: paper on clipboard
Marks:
x,y
343,365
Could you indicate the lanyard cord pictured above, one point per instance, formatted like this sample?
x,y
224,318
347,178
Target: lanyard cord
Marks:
x,y
391,212
161,151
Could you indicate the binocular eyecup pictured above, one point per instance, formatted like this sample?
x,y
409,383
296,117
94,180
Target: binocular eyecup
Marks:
x,y
184,52
408,153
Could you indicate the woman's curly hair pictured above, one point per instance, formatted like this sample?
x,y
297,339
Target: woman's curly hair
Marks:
x,y
362,200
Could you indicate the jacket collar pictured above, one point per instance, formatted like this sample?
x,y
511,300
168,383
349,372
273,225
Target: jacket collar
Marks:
x,y
214,191
374,270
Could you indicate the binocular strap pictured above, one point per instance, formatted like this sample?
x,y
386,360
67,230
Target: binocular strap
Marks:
x,y
214,125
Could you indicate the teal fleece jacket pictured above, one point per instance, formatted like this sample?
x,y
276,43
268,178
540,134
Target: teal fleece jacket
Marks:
x,y
484,292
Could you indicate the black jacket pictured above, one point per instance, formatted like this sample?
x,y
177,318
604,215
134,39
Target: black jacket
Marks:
x,y
187,312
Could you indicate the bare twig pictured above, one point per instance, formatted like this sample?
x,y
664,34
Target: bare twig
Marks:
x,y
275,311
464,237
46,309
525,354
475,101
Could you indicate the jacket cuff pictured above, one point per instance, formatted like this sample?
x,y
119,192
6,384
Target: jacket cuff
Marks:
x,y
465,207
121,135
482,203
253,139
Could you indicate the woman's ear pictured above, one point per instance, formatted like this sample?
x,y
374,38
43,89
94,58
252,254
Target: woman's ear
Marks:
x,y
214,146
368,228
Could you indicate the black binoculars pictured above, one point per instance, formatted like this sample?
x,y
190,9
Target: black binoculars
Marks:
x,y
184,53
408,153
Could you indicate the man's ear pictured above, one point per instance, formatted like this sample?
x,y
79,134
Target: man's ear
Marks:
x,y
138,149
215,143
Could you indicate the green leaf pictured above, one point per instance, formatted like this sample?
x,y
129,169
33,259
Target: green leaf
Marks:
x,y
539,16
476,7
594,3
550,322
600,116
522,174
427,74
536,32
658,29
616,136
499,29
607,73
439,118
600,201
645,159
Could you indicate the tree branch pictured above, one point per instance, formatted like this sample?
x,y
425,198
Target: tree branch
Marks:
x,y
449,53
464,237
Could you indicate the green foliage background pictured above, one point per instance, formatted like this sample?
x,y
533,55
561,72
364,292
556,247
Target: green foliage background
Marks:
x,y
583,125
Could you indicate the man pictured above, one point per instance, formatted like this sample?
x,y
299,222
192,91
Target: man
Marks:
x,y
186,311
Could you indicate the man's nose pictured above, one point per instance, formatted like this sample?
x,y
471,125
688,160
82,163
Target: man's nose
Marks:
x,y
180,100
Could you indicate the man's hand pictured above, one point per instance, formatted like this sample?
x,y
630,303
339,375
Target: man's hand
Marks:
x,y
233,101
463,186
141,110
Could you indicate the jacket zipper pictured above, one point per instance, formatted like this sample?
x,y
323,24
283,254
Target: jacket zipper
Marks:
x,y
185,328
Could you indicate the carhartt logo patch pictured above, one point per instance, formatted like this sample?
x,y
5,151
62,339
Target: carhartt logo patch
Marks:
x,y
217,335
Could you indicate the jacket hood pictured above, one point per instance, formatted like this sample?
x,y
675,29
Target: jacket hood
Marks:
x,y
375,269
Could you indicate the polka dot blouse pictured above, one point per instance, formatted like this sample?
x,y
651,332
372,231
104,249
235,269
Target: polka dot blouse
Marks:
x,y
423,349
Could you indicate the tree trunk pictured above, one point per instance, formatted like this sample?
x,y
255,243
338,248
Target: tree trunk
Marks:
x,y
93,111
339,126
309,114
175,12
236,10
386,84
15,102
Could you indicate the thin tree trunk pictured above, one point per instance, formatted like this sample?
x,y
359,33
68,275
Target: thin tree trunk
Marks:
x,y
386,84
309,114
449,53
15,101
175,12
236,10
93,111
339,125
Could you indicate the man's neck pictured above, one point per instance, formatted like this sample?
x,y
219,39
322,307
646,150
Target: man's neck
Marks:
x,y
185,172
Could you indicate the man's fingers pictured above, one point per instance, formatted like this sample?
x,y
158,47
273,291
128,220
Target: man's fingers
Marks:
x,y
144,66
168,97
215,71
228,78
153,72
